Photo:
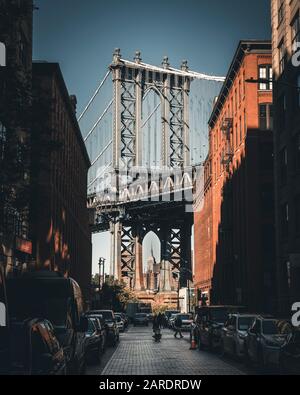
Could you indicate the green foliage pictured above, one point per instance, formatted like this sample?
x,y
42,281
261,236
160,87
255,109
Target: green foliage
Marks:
x,y
114,294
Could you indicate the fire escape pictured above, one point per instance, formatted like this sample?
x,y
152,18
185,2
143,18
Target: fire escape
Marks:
x,y
227,156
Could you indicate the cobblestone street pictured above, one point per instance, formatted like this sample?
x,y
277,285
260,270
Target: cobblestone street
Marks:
x,y
137,354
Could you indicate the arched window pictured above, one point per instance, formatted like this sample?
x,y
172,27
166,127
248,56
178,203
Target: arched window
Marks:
x,y
2,55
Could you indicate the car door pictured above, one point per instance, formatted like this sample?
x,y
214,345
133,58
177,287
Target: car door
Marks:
x,y
253,336
225,336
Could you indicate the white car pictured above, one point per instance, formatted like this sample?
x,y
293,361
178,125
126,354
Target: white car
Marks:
x,y
234,334
120,323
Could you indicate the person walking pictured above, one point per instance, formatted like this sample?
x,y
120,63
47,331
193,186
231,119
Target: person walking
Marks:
x,y
156,329
178,325
160,320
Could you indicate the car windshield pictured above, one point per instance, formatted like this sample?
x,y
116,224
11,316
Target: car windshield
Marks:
x,y
107,315
244,323
118,318
185,317
220,315
270,327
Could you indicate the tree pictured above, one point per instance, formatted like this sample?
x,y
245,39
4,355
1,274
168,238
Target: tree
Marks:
x,y
115,295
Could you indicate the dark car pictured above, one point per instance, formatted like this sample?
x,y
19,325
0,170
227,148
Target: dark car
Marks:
x,y
290,353
51,296
140,319
124,318
100,324
209,321
93,341
35,350
4,326
264,342
111,327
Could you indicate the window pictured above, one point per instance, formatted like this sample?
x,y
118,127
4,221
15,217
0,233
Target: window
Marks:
x,y
282,57
2,55
297,152
295,27
280,11
284,213
266,116
265,72
297,214
297,93
283,166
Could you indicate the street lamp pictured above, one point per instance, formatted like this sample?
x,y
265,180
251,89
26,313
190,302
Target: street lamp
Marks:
x,y
101,263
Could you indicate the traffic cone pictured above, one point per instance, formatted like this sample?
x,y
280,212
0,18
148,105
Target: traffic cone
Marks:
x,y
193,343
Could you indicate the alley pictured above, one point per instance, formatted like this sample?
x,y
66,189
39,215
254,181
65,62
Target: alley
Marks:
x,y
138,354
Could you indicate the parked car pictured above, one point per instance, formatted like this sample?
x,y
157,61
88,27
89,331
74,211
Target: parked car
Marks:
x,y
209,321
234,334
4,326
264,342
51,296
187,320
140,319
111,327
124,318
289,359
100,324
120,323
93,341
35,349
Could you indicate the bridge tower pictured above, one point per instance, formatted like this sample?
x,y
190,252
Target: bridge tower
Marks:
x,y
132,81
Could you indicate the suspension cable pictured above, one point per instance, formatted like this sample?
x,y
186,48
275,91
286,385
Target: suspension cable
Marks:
x,y
99,120
94,95
102,152
151,115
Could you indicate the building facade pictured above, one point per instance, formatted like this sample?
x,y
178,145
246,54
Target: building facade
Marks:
x,y
286,66
60,225
234,222
15,110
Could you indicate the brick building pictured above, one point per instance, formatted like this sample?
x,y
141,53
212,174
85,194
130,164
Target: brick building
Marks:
x,y
286,43
15,110
60,227
234,225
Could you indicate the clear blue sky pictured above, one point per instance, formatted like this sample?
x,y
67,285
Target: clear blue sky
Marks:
x,y
82,34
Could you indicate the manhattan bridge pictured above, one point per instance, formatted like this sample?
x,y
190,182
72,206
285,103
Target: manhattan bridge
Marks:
x,y
146,132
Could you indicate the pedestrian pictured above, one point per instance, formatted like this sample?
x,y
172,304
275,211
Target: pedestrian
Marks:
x,y
160,320
178,325
156,329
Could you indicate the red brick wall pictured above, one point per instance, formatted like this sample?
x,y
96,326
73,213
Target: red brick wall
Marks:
x,y
227,228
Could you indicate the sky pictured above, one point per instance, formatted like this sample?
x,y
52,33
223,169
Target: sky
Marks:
x,y
82,34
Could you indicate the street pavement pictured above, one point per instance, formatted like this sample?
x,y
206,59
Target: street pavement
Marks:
x,y
138,354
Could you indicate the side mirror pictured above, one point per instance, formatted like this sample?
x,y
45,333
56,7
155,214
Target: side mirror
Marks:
x,y
47,362
83,324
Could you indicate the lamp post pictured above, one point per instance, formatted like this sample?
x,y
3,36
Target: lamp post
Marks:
x,y
101,263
